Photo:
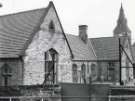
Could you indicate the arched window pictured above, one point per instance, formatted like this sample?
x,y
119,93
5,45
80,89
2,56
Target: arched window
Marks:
x,y
51,57
93,72
6,72
83,70
51,27
74,73
111,71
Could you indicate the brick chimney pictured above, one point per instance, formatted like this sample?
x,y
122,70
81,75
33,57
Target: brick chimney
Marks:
x,y
83,33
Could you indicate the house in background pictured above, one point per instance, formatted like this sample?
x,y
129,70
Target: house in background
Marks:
x,y
36,55
113,57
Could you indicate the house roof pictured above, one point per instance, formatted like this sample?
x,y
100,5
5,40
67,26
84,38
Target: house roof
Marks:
x,y
16,30
106,48
80,50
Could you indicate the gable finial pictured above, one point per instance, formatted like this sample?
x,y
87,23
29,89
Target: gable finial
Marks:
x,y
51,2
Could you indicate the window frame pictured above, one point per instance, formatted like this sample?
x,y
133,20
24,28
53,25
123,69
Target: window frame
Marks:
x,y
6,72
75,73
51,27
111,71
83,72
48,59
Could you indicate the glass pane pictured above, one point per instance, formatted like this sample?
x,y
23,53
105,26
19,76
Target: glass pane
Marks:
x,y
74,71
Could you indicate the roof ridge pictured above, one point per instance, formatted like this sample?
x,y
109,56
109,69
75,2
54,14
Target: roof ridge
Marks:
x,y
102,37
92,38
21,12
70,34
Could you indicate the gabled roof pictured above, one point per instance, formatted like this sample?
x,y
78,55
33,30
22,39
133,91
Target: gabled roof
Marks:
x,y
16,30
106,48
80,50
103,48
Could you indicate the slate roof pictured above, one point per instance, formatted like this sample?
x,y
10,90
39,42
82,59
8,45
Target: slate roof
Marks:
x,y
106,48
80,50
16,30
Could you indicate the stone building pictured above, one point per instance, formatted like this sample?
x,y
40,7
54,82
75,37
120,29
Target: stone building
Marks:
x,y
35,49
35,52
111,56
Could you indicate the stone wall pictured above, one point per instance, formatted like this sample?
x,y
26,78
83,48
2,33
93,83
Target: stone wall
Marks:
x,y
43,41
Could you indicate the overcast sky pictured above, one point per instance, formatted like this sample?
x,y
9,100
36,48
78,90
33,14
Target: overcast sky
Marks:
x,y
99,15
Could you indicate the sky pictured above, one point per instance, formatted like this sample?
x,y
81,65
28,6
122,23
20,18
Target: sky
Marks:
x,y
100,15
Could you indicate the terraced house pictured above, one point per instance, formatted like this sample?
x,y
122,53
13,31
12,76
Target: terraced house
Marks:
x,y
37,57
